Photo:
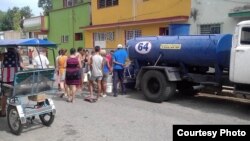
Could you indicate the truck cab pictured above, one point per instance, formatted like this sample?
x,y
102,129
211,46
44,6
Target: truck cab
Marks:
x,y
240,54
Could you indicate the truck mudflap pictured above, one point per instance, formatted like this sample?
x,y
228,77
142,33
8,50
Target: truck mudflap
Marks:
x,y
172,73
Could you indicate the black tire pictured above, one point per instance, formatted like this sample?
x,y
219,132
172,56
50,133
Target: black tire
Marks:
x,y
14,121
156,87
47,118
186,88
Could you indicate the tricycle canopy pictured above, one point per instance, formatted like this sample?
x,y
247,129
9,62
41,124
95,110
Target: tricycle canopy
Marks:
x,y
27,42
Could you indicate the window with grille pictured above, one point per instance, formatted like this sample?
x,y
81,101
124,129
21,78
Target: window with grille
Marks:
x,y
210,29
104,36
107,3
78,36
64,38
130,34
163,31
68,3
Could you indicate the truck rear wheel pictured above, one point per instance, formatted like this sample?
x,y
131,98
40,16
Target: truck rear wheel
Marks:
x,y
155,86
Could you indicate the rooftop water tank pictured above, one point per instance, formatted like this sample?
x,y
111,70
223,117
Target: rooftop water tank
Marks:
x,y
179,29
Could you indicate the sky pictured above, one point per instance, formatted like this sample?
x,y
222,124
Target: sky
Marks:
x,y
6,4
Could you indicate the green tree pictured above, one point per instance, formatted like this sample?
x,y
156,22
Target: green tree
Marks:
x,y
46,5
7,22
26,12
1,15
17,20
12,19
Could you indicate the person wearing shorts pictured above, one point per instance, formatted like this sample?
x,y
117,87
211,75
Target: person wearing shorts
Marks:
x,y
106,71
61,61
96,67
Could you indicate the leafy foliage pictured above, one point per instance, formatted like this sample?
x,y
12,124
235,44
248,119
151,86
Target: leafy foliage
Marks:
x,y
12,19
46,5
26,12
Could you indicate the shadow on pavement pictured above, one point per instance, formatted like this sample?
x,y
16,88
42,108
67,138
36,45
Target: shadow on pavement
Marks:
x,y
4,125
215,104
26,128
208,103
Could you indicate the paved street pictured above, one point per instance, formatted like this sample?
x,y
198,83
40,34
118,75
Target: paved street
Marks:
x,y
130,118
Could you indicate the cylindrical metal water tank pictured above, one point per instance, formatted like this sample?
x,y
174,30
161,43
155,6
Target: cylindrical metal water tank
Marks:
x,y
194,50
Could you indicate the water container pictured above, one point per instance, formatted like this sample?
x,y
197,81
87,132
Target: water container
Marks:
x,y
109,88
85,75
192,50
179,29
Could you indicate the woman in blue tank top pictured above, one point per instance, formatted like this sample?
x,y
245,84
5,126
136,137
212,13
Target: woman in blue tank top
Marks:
x,y
106,70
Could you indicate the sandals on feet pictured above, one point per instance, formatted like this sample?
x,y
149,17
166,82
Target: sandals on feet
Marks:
x,y
70,100
61,96
92,100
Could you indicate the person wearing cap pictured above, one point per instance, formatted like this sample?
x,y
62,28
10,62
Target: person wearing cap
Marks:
x,y
119,58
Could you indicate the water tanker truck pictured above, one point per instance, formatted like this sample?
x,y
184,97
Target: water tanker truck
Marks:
x,y
164,65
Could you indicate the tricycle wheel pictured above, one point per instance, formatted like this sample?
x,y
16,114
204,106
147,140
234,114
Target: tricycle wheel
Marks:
x,y
47,118
14,121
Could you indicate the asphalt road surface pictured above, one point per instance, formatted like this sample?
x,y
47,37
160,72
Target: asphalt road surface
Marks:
x,y
130,118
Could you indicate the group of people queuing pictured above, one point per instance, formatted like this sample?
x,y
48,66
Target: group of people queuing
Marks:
x,y
81,69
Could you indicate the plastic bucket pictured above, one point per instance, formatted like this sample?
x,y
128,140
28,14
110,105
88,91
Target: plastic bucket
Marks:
x,y
85,76
109,88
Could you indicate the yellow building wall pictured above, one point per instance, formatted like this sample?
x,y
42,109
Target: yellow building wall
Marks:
x,y
130,10
119,38
134,10
147,30
114,14
153,9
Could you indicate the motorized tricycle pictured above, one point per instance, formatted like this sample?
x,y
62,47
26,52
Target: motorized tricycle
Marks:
x,y
27,93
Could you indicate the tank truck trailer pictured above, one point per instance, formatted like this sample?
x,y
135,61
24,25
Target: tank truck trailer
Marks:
x,y
164,65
